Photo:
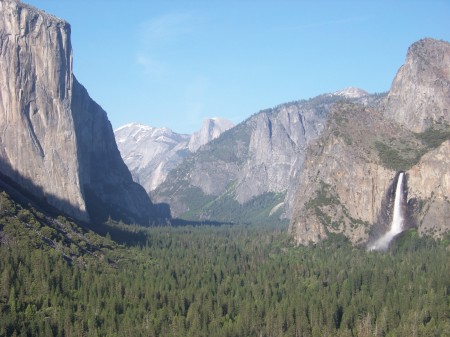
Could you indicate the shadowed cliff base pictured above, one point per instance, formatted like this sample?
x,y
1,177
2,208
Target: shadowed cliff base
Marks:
x,y
24,191
122,234
108,187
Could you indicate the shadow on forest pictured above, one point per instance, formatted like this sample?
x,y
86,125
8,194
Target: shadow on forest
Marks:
x,y
182,222
34,196
133,235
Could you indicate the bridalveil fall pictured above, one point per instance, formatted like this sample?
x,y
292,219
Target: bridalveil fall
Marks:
x,y
397,219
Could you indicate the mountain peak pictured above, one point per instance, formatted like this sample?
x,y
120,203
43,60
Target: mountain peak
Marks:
x,y
420,93
431,49
349,181
211,129
351,92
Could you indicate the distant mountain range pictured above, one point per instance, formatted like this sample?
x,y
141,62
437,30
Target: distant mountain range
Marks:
x,y
151,153
249,173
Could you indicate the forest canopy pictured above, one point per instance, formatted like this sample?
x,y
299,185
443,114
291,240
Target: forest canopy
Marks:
x,y
58,279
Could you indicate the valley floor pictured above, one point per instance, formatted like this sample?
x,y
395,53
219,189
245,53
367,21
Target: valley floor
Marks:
x,y
215,281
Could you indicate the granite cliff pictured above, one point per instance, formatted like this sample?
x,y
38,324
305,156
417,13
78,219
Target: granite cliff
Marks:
x,y
55,140
211,129
347,183
420,93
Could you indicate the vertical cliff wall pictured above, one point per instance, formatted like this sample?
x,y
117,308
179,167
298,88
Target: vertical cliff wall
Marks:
x,y
429,191
420,93
55,141
349,173
342,185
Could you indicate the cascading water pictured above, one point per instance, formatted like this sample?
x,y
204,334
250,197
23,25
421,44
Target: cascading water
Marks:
x,y
397,219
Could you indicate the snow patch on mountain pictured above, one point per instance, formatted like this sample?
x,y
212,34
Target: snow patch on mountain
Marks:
x,y
351,92
151,153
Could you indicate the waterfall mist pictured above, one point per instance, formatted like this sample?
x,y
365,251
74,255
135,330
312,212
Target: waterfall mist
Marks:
x,y
397,219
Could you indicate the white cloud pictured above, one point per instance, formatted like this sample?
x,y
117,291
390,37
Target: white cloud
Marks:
x,y
168,27
150,65
157,35
321,24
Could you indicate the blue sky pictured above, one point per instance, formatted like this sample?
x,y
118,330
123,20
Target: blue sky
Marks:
x,y
174,63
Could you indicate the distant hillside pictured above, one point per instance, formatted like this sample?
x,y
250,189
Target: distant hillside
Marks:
x,y
246,174
151,153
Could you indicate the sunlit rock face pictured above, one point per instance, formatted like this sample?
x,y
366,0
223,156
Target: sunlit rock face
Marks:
x,y
429,191
343,182
150,153
55,140
420,93
211,129
349,171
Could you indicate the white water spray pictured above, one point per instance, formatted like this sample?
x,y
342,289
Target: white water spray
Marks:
x,y
397,219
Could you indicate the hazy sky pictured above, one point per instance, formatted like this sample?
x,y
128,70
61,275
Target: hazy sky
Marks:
x,y
174,63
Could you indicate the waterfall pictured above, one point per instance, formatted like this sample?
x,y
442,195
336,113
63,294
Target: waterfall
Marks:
x,y
397,219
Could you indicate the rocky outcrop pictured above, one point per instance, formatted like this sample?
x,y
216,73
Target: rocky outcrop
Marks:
x,y
55,140
277,146
151,153
348,181
346,185
420,93
211,129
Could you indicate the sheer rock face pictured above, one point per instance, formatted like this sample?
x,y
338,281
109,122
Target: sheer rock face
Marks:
x,y
211,129
36,90
277,146
343,183
429,190
346,185
420,93
55,141
356,196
